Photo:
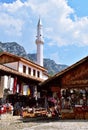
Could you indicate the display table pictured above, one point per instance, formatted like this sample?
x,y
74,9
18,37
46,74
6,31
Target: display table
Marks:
x,y
29,112
78,112
81,112
67,114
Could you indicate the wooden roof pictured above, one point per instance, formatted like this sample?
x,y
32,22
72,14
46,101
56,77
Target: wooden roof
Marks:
x,y
76,74
6,57
4,70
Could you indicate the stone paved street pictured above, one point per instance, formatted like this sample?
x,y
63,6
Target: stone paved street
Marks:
x,y
14,123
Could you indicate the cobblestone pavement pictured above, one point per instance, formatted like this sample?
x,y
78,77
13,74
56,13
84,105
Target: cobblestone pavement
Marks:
x,y
14,123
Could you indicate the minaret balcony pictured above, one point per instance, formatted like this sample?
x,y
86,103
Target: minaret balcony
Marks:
x,y
39,41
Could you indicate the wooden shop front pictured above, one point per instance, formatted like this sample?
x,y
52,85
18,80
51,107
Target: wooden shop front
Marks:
x,y
73,85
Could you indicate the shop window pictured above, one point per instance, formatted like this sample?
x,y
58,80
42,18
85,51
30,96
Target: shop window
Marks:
x,y
24,69
38,74
34,72
29,70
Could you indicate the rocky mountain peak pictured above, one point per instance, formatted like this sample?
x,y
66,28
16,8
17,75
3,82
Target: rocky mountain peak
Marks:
x,y
13,48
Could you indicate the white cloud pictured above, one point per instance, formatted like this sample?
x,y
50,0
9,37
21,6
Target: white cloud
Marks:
x,y
12,7
59,28
9,25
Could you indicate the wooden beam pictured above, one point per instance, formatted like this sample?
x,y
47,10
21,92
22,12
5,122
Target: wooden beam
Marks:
x,y
76,83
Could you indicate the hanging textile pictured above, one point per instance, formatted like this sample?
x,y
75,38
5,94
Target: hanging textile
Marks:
x,y
11,84
5,86
1,86
28,92
15,85
9,81
35,92
17,90
25,89
20,88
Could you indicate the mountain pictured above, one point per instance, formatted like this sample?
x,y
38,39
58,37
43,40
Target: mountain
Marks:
x,y
49,64
13,48
17,49
52,67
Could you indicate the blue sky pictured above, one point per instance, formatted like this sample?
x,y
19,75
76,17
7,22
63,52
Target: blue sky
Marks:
x,y
65,27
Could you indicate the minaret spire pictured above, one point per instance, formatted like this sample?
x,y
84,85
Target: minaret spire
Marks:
x,y
40,42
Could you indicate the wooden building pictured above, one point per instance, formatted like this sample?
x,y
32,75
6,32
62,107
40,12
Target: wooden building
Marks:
x,y
19,76
71,85
23,65
75,76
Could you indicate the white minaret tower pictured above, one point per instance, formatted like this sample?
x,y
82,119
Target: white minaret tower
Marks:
x,y
39,43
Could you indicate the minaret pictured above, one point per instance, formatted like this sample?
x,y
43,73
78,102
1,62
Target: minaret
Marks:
x,y
39,43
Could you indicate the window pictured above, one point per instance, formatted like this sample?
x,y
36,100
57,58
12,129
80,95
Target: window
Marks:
x,y
33,72
38,74
24,69
29,70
